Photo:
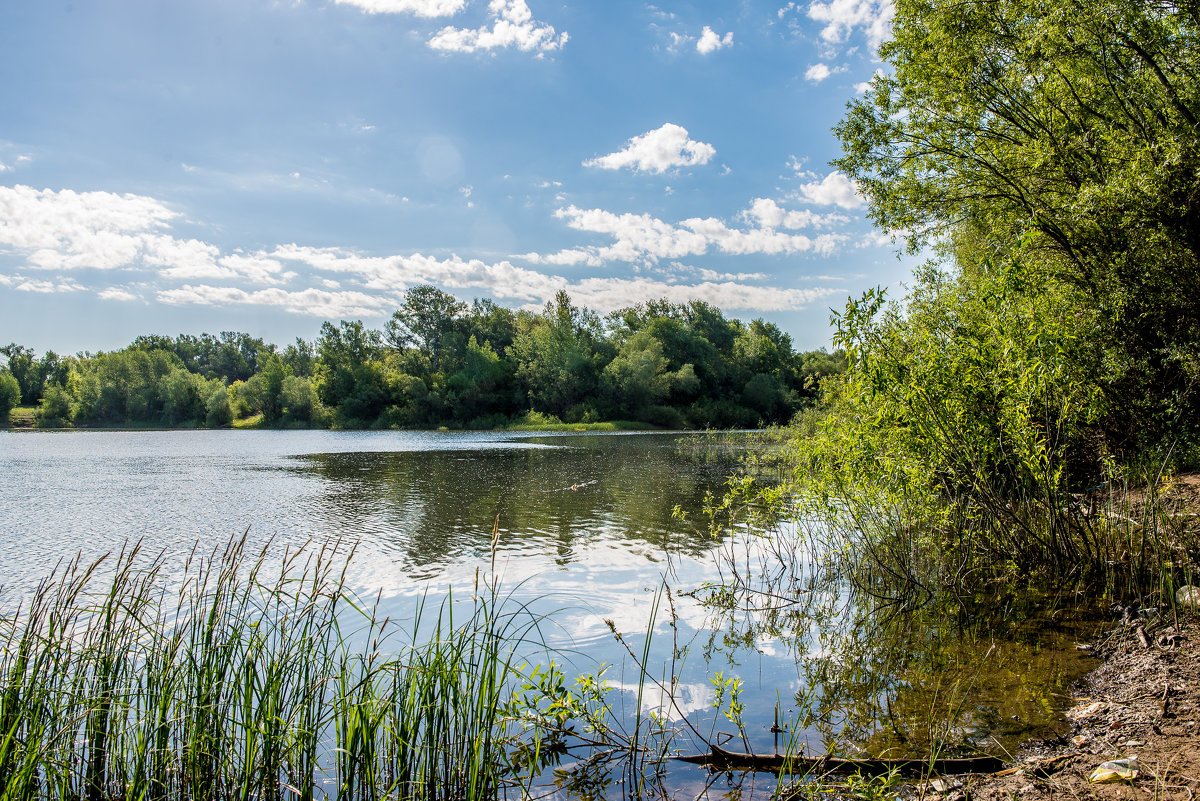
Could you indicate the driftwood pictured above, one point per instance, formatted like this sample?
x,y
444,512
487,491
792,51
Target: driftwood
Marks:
x,y
773,763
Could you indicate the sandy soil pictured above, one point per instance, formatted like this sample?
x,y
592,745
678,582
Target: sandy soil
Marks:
x,y
1143,700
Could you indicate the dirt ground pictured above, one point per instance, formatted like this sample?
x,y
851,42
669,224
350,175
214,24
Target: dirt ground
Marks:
x,y
1143,700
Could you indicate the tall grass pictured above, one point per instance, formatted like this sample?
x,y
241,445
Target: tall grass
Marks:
x,y
236,679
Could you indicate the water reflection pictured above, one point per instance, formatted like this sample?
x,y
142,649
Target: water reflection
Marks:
x,y
429,509
586,530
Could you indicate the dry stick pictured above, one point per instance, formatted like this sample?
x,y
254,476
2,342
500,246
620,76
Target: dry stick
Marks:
x,y
1141,633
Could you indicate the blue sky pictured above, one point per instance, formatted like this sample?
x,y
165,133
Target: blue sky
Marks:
x,y
264,165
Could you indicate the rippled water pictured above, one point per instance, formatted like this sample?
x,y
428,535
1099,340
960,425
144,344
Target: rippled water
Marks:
x,y
586,524
586,533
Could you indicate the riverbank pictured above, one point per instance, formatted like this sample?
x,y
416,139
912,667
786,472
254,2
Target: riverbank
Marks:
x,y
1143,700
23,418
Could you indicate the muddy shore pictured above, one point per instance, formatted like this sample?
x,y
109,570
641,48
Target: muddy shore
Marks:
x,y
1143,700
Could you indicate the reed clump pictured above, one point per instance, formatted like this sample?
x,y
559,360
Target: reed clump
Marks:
x,y
243,677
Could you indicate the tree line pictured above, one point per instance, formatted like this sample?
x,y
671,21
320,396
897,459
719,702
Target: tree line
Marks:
x,y
441,362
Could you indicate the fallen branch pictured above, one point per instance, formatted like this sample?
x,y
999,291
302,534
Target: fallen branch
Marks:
x,y
721,759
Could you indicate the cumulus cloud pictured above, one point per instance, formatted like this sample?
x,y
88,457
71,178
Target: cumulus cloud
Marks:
x,y
835,189
657,151
66,230
610,294
817,72
710,40
767,213
397,273
69,230
842,17
72,231
116,293
641,238
513,26
40,286
314,302
421,8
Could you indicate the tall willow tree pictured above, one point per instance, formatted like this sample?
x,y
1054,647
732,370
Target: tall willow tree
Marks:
x,y
1065,134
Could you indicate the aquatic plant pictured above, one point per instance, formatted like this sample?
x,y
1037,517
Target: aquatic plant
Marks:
x,y
233,678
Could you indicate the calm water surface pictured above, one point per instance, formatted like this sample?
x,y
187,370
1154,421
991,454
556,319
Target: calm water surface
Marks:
x,y
586,532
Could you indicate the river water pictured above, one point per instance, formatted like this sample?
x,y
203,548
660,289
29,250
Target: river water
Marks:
x,y
588,530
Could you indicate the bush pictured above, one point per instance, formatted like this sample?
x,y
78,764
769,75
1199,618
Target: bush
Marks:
x,y
219,411
55,410
10,394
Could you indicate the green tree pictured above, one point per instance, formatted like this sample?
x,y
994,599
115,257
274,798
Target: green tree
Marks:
x,y
472,390
22,366
1065,134
351,377
182,396
427,321
557,357
639,377
218,411
55,409
298,399
10,394
300,358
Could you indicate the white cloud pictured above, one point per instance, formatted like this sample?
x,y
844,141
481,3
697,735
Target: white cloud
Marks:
x,y
646,239
768,213
835,189
865,86
393,274
69,230
883,239
609,294
657,151
678,41
314,302
710,40
513,26
4,167
817,73
842,17
46,287
116,293
421,8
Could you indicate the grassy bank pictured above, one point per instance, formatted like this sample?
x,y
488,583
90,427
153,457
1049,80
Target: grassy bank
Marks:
x,y
22,417
612,425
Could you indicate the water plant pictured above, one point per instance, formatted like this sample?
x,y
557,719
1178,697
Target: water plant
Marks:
x,y
230,677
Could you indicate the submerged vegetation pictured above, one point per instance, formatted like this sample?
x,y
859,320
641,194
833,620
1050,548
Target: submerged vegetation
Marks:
x,y
440,362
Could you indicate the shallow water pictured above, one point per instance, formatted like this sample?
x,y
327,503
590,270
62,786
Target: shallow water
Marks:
x,y
586,532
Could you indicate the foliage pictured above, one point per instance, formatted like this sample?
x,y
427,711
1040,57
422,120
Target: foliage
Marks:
x,y
1066,136
224,683
1048,153
10,394
441,362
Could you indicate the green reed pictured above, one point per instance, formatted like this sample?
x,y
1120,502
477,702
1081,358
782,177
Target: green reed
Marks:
x,y
240,677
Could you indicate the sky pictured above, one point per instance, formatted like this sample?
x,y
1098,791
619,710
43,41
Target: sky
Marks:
x,y
188,166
